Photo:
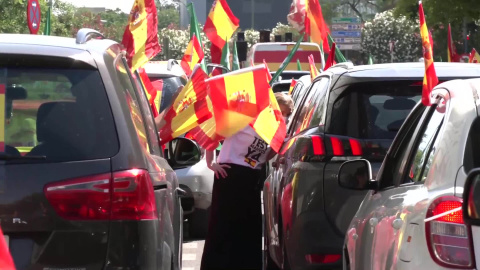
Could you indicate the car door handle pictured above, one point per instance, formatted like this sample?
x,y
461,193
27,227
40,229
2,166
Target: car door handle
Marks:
x,y
397,223
181,193
159,187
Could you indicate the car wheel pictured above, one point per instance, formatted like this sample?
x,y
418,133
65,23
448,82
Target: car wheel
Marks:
x,y
198,223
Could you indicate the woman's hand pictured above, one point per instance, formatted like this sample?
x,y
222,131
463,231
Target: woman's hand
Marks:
x,y
219,169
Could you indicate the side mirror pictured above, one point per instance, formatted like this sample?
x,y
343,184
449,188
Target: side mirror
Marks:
x,y
219,69
471,198
357,175
183,152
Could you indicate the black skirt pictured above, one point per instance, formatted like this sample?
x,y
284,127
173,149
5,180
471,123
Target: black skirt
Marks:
x,y
234,239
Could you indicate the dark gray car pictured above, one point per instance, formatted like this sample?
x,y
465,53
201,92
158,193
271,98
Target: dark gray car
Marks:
x,y
346,113
83,182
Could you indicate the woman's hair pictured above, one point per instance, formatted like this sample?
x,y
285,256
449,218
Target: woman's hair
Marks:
x,y
284,99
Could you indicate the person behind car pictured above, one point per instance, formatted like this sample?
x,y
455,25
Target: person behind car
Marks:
x,y
285,102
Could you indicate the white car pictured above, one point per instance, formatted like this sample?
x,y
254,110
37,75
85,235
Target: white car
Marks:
x,y
411,218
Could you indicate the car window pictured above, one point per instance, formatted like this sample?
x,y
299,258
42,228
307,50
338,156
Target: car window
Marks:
x,y
388,174
56,108
373,110
295,89
298,92
422,155
318,117
169,88
133,103
304,118
147,116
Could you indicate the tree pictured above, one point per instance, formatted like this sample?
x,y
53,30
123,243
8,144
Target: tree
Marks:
x,y
384,28
167,15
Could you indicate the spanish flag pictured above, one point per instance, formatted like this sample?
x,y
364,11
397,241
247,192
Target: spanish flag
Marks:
x,y
150,91
331,57
6,262
270,125
238,98
189,109
315,25
193,55
430,80
219,27
452,53
140,37
205,134
474,57
292,85
313,68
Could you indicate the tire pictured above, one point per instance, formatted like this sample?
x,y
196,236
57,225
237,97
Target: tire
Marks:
x,y
198,223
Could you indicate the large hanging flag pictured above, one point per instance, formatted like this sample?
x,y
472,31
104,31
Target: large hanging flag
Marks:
x,y
313,68
140,38
315,25
150,91
226,56
430,80
474,57
236,61
195,30
189,109
331,57
270,125
238,98
338,54
292,85
452,52
219,27
6,262
193,55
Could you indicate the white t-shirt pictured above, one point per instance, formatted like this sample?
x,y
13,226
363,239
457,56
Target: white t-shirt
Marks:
x,y
245,148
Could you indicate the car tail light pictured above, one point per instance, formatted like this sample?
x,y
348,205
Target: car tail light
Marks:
x,y
448,238
322,258
345,146
316,148
125,195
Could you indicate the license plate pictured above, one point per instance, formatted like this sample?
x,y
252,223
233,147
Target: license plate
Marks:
x,y
7,239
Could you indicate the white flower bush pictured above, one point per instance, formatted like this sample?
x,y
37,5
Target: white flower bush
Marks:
x,y
178,41
384,28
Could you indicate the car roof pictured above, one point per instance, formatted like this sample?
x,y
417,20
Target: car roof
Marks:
x,y
408,70
169,68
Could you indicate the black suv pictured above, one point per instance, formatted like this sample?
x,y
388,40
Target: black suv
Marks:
x,y
346,113
83,182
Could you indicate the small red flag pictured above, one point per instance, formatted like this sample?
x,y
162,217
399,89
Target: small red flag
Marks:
x,y
331,57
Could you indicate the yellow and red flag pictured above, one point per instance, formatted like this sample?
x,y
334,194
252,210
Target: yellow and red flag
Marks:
x,y
331,57
2,117
193,55
313,68
270,125
452,53
315,25
189,109
238,98
205,134
474,57
430,80
158,85
292,85
150,90
219,27
140,37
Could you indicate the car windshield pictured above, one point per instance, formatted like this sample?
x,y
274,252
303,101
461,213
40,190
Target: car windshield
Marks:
x,y
169,86
374,110
57,110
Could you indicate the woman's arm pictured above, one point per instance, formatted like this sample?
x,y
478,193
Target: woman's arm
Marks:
x,y
219,169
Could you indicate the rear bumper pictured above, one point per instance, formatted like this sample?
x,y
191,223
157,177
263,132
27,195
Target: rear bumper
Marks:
x,y
312,234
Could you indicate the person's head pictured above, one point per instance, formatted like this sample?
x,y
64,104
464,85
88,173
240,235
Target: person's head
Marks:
x,y
286,104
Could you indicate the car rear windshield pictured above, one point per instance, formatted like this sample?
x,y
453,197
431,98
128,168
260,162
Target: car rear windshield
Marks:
x,y
55,108
169,86
374,110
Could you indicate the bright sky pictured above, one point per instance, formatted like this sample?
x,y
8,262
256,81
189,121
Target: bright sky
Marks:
x,y
124,5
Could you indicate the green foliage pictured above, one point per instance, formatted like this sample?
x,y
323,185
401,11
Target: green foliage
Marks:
x,y
167,16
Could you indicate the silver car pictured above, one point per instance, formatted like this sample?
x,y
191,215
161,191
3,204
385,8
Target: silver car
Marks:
x,y
411,218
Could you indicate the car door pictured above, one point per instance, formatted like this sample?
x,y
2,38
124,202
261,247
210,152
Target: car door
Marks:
x,y
393,207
